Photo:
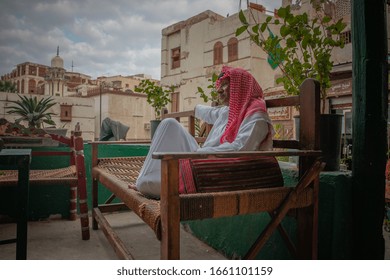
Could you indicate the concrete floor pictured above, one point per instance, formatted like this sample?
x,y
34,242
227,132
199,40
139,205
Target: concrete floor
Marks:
x,y
57,239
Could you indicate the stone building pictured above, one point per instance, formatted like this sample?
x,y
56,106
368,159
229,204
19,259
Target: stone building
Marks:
x,y
54,80
193,49
28,77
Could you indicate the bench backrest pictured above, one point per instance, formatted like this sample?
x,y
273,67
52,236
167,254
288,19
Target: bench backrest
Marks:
x,y
74,145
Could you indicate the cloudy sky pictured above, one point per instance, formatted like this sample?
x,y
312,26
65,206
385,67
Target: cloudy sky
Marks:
x,y
117,37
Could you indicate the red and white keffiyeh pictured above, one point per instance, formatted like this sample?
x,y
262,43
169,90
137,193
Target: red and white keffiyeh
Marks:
x,y
246,98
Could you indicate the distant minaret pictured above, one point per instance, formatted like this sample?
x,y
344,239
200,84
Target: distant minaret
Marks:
x,y
55,77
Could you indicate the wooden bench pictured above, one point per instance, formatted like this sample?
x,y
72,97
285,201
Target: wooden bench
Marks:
x,y
72,175
164,215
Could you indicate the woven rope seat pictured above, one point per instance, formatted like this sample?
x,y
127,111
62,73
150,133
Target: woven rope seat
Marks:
x,y
120,175
59,175
124,168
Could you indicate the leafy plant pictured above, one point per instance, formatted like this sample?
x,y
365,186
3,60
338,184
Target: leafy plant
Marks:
x,y
157,96
213,92
303,48
32,110
17,128
7,86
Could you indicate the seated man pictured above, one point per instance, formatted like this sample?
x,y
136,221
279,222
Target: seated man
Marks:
x,y
240,124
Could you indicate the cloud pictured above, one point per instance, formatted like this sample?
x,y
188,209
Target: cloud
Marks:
x,y
117,37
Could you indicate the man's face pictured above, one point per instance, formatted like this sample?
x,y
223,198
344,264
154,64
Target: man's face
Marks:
x,y
224,93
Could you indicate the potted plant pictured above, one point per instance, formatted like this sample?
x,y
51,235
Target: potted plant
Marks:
x,y
302,49
212,95
157,96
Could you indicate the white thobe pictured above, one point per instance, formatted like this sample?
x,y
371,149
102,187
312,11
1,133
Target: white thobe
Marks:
x,y
171,136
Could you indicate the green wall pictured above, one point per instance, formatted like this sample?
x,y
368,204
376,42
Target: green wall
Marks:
x,y
43,200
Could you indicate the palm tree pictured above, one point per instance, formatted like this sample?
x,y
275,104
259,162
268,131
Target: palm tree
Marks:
x,y
32,110
7,86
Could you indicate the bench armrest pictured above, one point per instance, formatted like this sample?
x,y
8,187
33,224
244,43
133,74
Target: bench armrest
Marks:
x,y
197,155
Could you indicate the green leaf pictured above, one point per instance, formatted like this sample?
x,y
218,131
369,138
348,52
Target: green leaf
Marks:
x,y
240,30
284,31
263,27
282,12
242,17
255,28
326,19
291,43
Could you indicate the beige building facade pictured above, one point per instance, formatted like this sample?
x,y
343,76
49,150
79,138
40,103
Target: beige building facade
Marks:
x,y
115,98
69,111
131,109
194,49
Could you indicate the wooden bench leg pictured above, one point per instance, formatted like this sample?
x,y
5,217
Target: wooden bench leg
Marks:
x,y
307,221
84,219
306,218
95,184
170,210
83,203
73,202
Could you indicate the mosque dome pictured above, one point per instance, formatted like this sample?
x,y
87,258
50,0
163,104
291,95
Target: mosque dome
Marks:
x,y
57,61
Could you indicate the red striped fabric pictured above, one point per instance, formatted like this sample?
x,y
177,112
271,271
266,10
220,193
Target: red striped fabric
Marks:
x,y
214,175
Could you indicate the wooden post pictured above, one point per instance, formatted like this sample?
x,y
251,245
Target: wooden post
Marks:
x,y
309,137
369,99
170,210
82,186
73,185
95,185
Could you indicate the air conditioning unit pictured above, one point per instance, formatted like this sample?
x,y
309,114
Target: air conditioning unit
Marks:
x,y
147,126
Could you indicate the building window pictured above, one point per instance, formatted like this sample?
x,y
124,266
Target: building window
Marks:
x,y
346,37
32,87
176,58
42,72
232,49
218,53
66,112
32,70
